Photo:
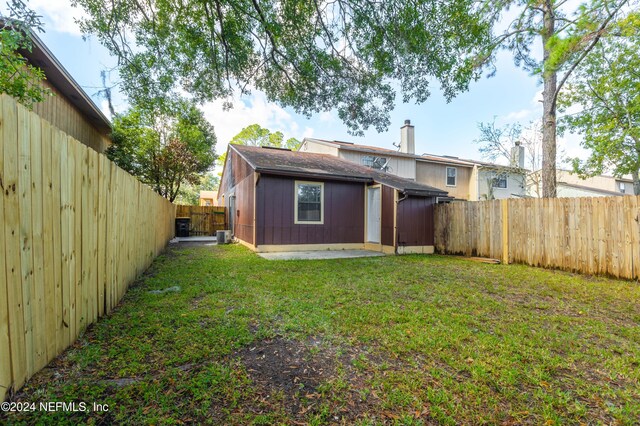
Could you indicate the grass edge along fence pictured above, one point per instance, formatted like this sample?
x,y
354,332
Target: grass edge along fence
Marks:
x,y
595,235
75,231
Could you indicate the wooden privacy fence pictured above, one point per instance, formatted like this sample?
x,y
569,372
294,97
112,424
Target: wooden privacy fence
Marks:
x,y
205,220
75,231
598,235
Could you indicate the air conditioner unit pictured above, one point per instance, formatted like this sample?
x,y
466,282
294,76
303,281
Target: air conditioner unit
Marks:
x,y
223,237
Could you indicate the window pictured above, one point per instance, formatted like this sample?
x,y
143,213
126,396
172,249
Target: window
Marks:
x,y
623,187
309,207
378,163
452,173
499,180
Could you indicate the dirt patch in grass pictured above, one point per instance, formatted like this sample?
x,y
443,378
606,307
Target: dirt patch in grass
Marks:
x,y
295,369
315,381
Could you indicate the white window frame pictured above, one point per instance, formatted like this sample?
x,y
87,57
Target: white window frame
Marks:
x,y
622,187
295,203
446,176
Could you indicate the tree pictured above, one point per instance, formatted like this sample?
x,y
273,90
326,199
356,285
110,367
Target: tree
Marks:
x,y
309,55
255,135
567,37
164,148
497,142
607,90
190,193
17,77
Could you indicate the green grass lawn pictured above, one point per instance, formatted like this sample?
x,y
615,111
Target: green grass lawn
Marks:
x,y
382,340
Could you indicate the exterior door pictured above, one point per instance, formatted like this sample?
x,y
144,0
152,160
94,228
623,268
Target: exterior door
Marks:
x,y
373,215
232,213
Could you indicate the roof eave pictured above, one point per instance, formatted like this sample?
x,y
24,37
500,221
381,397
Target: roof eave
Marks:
x,y
307,175
60,78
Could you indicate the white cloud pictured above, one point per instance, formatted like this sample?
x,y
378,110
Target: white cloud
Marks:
x,y
59,15
569,147
518,115
249,110
537,98
326,117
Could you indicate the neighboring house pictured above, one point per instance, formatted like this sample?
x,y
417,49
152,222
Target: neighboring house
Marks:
x,y
70,109
462,179
208,198
569,184
279,200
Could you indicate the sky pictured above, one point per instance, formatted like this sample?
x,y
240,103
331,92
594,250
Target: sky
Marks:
x,y
442,128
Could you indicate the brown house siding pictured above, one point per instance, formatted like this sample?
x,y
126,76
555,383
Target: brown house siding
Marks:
x,y
343,213
415,221
238,178
387,215
58,111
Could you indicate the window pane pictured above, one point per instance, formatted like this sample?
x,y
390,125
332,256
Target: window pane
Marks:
x,y
378,163
309,212
309,193
309,202
451,176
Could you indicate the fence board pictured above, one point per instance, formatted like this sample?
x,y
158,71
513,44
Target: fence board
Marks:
x,y
75,231
26,242
5,349
12,242
39,315
599,235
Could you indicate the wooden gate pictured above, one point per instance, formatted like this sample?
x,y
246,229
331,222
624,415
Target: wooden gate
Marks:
x,y
205,220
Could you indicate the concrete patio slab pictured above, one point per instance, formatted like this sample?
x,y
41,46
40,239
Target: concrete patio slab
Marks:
x,y
194,239
316,255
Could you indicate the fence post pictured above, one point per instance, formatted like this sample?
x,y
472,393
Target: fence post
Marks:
x,y
505,231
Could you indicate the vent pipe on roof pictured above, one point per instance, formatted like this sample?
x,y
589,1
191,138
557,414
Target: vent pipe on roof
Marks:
x,y
517,155
407,138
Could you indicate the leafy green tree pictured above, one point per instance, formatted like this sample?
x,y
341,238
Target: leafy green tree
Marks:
x,y
17,77
607,90
309,55
566,32
255,135
190,193
164,148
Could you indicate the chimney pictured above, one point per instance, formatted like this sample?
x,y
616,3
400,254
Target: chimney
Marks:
x,y
517,155
407,138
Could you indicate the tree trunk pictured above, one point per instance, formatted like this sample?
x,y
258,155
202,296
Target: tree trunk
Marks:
x,y
636,182
550,78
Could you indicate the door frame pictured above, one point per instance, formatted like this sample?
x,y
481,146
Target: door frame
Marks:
x,y
371,245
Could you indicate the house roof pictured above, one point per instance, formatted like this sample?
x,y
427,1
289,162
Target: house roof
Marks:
x,y
41,57
324,166
443,159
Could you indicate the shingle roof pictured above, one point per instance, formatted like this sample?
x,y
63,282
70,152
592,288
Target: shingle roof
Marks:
x,y
445,159
305,164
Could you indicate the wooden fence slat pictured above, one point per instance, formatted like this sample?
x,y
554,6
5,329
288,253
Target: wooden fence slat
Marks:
x,y
5,349
66,237
26,241
38,285
56,223
12,242
48,281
